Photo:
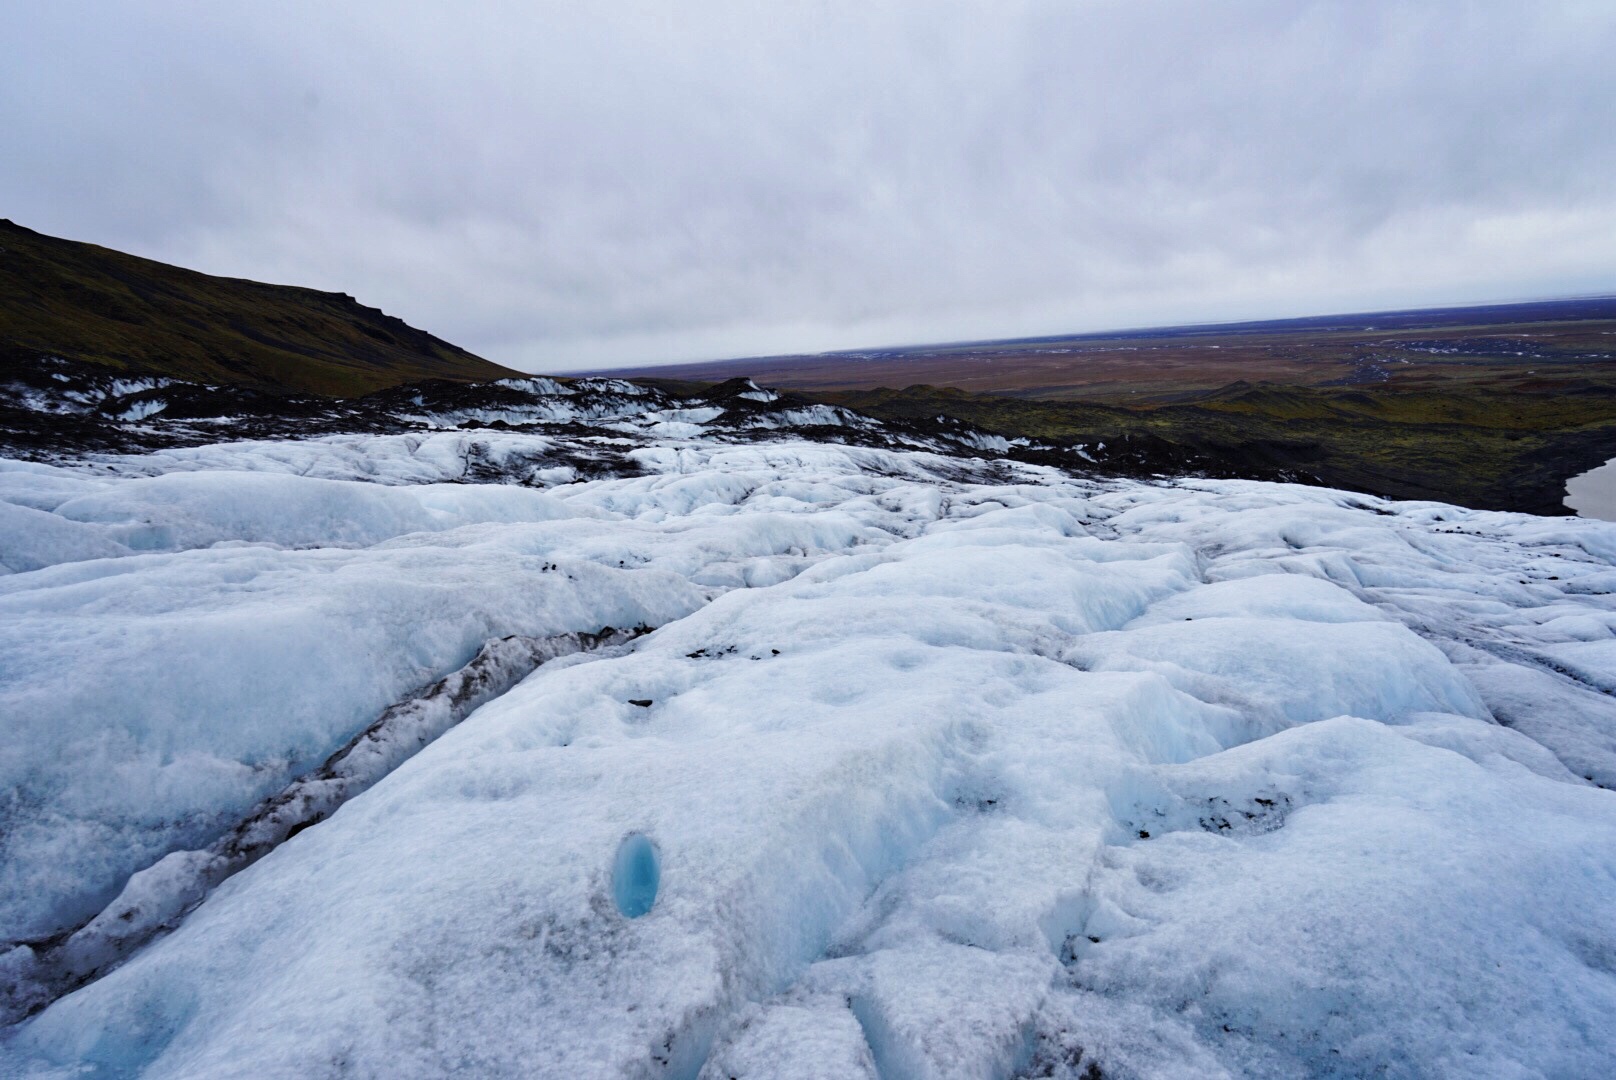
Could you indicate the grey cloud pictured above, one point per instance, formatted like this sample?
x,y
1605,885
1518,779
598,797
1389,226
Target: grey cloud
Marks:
x,y
557,184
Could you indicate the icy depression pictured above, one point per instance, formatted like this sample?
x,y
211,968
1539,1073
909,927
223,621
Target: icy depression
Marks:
x,y
895,765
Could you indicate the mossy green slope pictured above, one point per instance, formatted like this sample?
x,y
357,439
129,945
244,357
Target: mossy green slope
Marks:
x,y
1493,448
75,300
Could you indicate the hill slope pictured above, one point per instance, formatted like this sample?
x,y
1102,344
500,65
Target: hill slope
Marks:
x,y
1494,447
64,298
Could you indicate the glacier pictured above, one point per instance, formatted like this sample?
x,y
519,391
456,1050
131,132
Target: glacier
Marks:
x,y
868,760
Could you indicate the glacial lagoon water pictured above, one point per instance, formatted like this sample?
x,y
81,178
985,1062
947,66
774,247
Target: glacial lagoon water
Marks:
x,y
1593,494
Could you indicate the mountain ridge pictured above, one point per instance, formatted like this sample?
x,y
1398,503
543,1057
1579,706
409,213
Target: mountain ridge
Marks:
x,y
84,302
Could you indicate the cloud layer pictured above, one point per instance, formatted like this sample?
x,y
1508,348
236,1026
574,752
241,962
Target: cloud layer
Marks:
x,y
560,185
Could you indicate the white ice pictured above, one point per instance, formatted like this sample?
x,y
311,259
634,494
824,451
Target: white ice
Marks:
x,y
948,769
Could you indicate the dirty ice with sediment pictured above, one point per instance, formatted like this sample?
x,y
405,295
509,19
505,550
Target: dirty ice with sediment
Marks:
x,y
779,757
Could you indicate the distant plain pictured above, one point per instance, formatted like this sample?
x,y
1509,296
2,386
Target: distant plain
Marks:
x,y
1492,406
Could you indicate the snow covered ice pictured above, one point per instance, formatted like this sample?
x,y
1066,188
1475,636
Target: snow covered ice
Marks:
x,y
929,766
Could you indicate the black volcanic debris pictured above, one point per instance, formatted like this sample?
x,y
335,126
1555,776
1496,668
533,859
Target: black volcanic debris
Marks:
x,y
54,409
1492,447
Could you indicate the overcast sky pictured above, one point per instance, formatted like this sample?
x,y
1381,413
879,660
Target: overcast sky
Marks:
x,y
558,186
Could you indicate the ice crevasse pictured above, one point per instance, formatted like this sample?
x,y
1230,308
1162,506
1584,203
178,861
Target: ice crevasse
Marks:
x,y
925,772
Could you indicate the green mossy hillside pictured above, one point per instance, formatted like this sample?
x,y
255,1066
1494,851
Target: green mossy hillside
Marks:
x,y
1491,448
88,303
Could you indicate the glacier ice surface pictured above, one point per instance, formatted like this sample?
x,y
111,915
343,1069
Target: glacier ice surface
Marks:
x,y
930,770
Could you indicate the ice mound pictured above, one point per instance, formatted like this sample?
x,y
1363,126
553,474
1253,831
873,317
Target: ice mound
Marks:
x,y
928,770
